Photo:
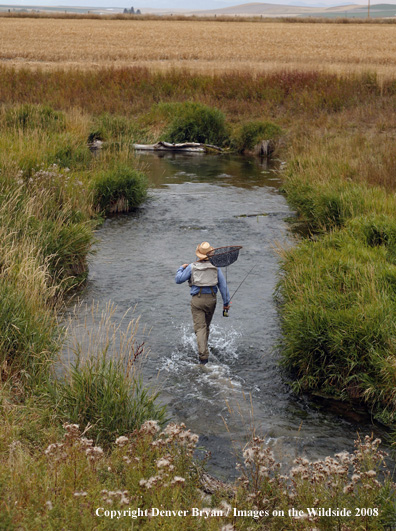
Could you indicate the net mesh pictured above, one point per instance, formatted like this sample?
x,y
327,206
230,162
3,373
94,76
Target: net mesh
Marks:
x,y
224,256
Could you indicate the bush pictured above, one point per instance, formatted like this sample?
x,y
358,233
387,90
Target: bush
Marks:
x,y
252,133
194,122
119,189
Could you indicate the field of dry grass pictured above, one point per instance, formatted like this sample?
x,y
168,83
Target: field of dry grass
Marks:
x,y
204,46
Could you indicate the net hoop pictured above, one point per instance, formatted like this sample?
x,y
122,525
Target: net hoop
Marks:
x,y
224,256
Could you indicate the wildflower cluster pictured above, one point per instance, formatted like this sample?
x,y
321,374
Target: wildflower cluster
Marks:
x,y
74,442
120,496
168,452
345,480
46,177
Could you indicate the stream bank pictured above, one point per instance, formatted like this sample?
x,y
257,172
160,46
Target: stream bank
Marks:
x,y
223,200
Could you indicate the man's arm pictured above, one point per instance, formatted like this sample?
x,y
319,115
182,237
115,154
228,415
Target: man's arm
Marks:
x,y
223,288
183,273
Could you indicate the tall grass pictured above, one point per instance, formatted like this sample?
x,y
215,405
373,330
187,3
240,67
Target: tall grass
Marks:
x,y
47,212
338,316
127,91
119,189
101,387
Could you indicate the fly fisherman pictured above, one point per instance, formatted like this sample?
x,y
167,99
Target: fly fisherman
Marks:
x,y
204,280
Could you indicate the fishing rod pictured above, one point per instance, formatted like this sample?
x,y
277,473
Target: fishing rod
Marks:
x,y
225,312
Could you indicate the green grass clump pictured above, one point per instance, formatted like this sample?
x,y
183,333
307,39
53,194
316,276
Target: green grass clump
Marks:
x,y
194,122
338,319
338,292
251,133
119,189
28,116
109,127
101,386
28,333
101,393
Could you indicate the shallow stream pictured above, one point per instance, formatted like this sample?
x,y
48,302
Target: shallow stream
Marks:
x,y
226,201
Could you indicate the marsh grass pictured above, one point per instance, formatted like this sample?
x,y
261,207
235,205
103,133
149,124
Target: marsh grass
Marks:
x,y
338,316
119,189
47,213
128,91
100,385
194,122
252,133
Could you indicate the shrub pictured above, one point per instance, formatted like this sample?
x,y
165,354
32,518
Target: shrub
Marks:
x,y
194,122
119,189
252,133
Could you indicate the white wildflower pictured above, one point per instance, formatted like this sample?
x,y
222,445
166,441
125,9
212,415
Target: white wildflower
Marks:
x,y
163,462
121,441
150,427
95,453
52,448
177,480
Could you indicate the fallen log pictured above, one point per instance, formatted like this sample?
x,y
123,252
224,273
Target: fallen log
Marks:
x,y
190,147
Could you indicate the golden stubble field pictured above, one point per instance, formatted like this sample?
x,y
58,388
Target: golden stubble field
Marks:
x,y
205,46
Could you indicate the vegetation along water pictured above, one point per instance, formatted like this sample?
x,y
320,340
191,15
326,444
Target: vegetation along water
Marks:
x,y
335,295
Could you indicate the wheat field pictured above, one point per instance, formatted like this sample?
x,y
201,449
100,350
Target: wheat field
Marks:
x,y
205,46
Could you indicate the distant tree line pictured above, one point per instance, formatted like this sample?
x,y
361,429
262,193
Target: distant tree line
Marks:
x,y
132,11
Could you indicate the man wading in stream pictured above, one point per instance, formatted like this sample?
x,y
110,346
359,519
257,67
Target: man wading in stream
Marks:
x,y
204,279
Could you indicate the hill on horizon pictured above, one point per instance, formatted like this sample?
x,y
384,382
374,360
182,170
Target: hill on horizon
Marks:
x,y
296,8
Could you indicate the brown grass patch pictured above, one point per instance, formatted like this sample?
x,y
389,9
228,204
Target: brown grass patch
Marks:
x,y
204,46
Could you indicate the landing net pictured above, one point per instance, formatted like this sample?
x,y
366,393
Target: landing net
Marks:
x,y
224,256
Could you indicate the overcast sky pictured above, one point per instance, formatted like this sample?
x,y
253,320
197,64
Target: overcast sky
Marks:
x,y
181,4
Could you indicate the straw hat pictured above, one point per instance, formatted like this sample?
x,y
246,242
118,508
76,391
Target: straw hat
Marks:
x,y
203,249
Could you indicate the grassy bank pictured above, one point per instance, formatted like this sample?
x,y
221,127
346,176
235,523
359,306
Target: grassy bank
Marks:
x,y
337,317
53,192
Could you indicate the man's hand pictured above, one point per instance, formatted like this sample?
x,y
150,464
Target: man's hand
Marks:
x,y
184,266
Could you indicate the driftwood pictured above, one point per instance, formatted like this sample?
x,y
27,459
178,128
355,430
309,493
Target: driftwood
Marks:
x,y
189,147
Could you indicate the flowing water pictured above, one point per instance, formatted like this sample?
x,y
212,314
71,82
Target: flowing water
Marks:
x,y
226,201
